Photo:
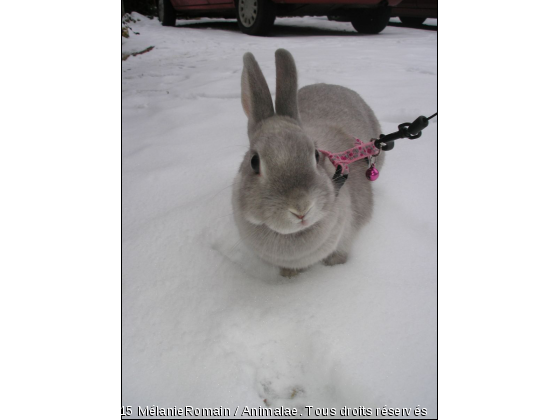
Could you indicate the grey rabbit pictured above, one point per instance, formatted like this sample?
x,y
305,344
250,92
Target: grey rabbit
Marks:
x,y
286,206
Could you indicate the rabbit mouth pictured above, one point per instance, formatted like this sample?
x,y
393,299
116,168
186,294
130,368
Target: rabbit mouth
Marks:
x,y
299,227
291,227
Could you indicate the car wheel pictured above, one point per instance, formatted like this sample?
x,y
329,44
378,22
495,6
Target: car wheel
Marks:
x,y
166,13
372,22
412,21
255,17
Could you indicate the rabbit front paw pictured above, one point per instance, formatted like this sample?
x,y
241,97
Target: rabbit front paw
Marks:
x,y
335,258
289,272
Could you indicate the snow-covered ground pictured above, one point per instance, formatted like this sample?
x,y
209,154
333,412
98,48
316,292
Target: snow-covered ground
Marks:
x,y
207,324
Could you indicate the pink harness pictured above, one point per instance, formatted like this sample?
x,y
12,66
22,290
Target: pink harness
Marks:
x,y
360,151
368,150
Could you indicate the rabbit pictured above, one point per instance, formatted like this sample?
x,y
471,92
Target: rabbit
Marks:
x,y
286,206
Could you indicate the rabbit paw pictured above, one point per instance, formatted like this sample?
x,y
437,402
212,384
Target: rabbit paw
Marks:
x,y
335,258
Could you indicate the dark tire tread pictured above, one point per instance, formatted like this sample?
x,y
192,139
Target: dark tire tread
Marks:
x,y
166,13
373,22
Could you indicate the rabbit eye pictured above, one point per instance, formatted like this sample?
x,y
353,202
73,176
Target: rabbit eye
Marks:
x,y
317,155
255,163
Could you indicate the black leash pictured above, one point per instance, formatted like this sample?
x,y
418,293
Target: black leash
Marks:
x,y
407,130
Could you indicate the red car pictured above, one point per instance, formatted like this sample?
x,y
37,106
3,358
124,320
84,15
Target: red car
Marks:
x,y
256,17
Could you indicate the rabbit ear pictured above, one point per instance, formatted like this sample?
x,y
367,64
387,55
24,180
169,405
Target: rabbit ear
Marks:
x,y
286,85
255,95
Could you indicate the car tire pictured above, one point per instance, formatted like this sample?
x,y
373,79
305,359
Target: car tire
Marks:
x,y
166,13
372,22
412,21
255,17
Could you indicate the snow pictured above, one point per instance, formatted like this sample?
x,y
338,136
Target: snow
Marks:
x,y
205,323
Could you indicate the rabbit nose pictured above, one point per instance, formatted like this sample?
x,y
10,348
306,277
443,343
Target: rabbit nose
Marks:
x,y
299,216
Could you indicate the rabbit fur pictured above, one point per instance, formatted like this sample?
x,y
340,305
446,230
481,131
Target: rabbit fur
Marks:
x,y
290,212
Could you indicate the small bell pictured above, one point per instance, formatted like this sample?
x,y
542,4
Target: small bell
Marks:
x,y
372,173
